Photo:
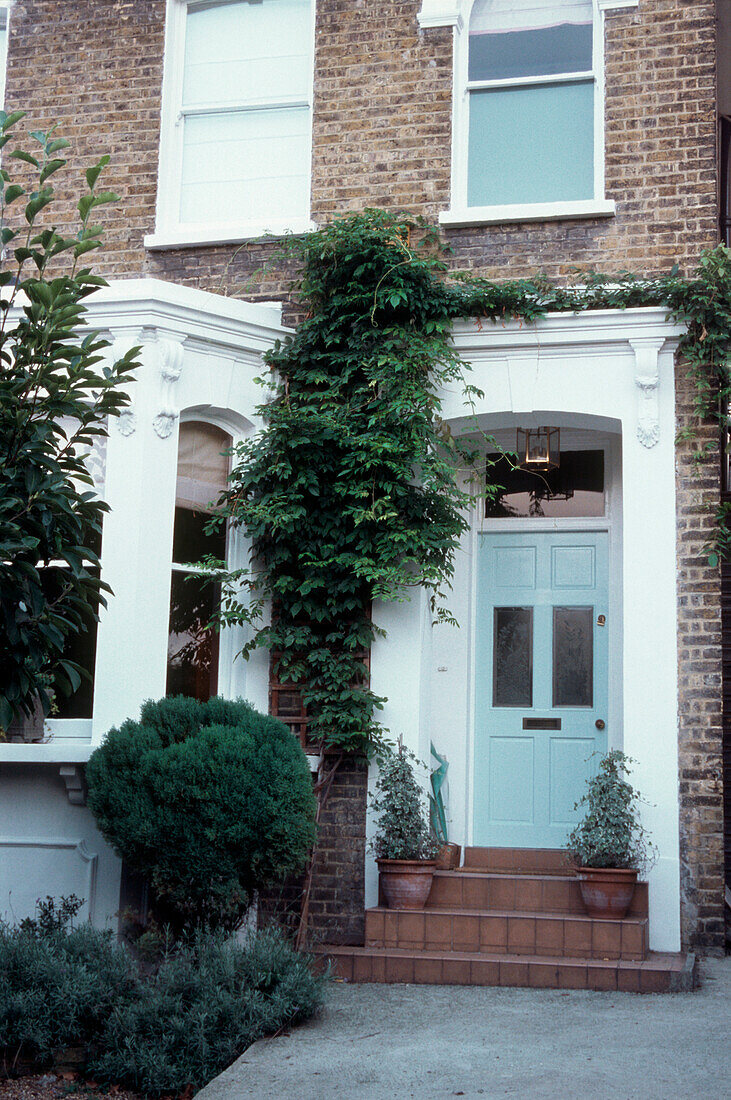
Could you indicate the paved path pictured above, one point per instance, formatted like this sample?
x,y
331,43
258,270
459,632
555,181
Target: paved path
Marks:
x,y
380,1042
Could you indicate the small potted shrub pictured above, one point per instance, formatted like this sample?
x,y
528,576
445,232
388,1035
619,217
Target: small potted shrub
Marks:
x,y
404,848
609,846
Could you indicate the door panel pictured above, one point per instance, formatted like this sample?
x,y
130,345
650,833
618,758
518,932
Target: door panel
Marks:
x,y
512,756
541,682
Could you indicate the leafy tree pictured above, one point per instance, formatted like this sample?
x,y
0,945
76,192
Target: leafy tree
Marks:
x,y
55,398
209,801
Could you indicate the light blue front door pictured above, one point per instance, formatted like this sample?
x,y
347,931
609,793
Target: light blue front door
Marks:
x,y
541,682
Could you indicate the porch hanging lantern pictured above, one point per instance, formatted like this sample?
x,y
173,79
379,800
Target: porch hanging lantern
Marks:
x,y
538,448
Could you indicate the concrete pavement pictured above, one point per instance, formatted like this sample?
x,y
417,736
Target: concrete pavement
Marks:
x,y
381,1042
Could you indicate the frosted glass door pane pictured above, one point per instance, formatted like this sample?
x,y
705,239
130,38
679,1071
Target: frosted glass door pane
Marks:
x,y
532,144
512,678
238,52
248,165
573,657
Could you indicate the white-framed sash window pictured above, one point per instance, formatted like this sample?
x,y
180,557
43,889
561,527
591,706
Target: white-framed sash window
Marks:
x,y
193,646
5,7
528,127
235,146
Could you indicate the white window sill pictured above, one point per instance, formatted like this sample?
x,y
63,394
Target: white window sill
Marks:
x,y
187,236
528,212
56,751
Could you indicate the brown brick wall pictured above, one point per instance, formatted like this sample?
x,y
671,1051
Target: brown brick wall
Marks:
x,y
337,898
382,133
699,679
337,905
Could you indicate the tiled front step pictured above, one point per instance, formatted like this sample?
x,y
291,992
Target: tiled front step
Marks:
x,y
656,974
486,890
517,861
507,932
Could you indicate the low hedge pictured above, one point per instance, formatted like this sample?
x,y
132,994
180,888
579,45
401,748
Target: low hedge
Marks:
x,y
159,1032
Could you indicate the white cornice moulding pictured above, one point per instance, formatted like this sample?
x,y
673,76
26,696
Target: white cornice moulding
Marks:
x,y
178,313
440,13
608,328
124,308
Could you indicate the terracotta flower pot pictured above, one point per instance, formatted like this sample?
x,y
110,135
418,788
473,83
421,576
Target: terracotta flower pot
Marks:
x,y
449,857
607,892
406,882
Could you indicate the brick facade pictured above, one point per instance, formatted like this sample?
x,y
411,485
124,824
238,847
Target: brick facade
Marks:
x,y
382,137
337,897
382,134
700,731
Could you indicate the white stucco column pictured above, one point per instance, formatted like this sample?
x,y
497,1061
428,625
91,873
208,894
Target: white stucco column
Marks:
x,y
137,541
649,612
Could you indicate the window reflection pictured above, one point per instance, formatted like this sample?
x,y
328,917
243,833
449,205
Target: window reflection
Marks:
x,y
193,647
574,488
573,657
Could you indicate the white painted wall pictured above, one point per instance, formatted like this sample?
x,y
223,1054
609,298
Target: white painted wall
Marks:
x,y
200,355
49,846
610,372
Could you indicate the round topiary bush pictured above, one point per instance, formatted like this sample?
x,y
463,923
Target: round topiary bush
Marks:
x,y
209,801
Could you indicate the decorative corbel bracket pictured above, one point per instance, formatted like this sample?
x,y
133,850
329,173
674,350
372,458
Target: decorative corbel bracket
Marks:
x,y
73,777
647,379
170,360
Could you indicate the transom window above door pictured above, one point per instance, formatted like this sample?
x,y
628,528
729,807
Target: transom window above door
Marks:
x,y
237,116
574,488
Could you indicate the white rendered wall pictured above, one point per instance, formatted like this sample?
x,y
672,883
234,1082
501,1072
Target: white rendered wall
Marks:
x,y
609,372
49,846
200,355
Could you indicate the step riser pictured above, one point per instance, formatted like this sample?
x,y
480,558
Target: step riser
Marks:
x,y
460,890
610,977
521,861
507,934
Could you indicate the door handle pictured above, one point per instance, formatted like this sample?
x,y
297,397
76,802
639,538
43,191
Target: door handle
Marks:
x,y
600,723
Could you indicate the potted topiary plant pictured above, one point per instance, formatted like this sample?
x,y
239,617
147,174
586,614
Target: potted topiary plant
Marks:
x,y
609,846
404,848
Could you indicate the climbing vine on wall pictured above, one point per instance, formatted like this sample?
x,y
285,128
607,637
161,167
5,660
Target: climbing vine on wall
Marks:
x,y
351,493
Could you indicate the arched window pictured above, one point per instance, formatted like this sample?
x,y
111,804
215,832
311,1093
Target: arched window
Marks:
x,y
203,467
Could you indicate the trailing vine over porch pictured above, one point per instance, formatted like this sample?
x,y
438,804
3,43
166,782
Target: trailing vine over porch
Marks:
x,y
350,495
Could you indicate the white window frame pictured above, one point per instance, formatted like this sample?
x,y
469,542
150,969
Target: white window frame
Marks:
x,y
169,231
5,9
234,554
456,13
